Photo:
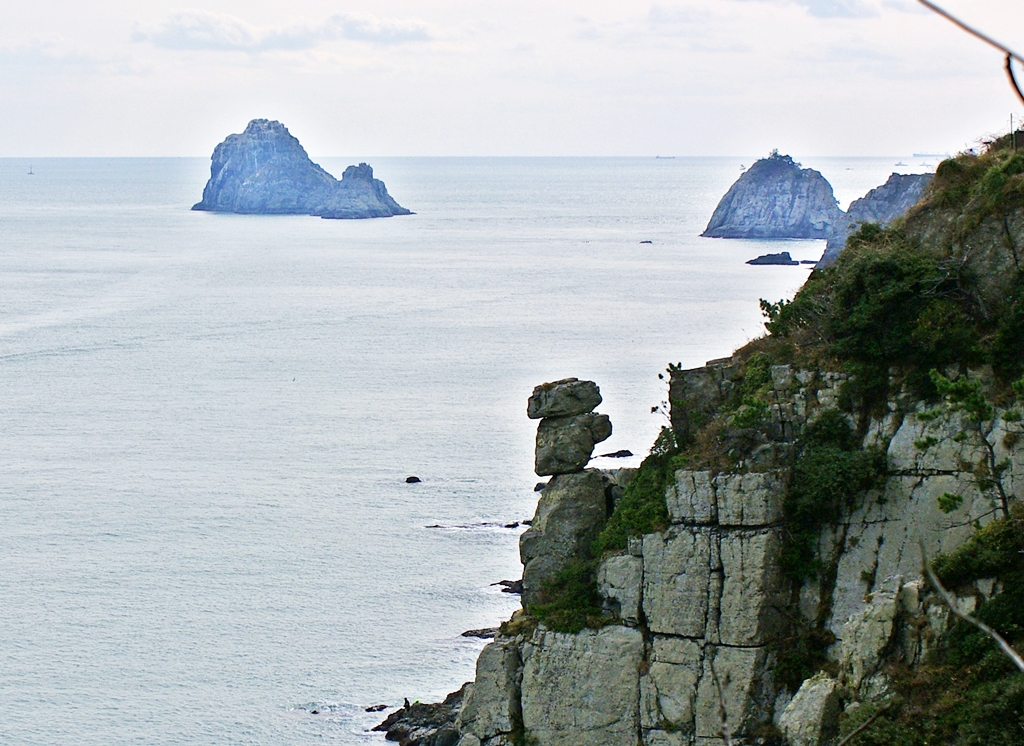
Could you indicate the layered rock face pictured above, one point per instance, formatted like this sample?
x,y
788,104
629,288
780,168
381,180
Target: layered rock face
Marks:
x,y
265,171
881,205
699,613
775,198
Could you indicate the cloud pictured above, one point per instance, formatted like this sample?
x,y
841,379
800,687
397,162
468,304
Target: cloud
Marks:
x,y
674,15
834,8
54,56
202,30
838,8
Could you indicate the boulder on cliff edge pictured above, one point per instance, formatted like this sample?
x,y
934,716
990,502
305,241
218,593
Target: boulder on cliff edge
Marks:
x,y
775,198
266,171
564,398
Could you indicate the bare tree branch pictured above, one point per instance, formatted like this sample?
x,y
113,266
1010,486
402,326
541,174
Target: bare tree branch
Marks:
x,y
863,726
726,733
1010,54
951,603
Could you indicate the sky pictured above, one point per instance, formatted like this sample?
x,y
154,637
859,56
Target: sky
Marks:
x,y
504,78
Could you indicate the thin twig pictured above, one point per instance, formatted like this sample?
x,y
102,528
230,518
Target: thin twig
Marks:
x,y
726,733
1010,54
951,603
863,726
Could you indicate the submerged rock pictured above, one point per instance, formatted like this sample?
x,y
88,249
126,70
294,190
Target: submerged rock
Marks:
x,y
485,633
782,258
266,171
775,198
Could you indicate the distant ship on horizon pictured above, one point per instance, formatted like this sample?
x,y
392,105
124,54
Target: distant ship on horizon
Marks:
x,y
931,155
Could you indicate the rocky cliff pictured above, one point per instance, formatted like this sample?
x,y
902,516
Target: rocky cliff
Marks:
x,y
775,198
760,578
265,171
700,618
881,205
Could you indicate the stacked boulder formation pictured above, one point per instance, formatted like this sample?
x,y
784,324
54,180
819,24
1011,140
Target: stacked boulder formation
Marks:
x,y
576,502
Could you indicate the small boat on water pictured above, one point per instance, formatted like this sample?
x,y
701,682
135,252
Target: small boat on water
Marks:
x,y
901,163
30,170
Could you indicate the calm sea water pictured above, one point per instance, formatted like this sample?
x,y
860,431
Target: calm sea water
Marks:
x,y
206,423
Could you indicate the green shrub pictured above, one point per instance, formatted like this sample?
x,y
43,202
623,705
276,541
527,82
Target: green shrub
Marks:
x,y
642,509
993,550
830,471
895,302
570,601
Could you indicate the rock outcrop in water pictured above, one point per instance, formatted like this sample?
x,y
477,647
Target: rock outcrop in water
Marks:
x,y
775,198
881,205
266,171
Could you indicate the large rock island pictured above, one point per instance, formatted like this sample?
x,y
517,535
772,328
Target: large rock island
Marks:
x,y
881,205
266,171
775,198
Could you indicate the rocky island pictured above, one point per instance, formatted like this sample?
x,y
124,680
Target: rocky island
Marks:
x,y
760,579
266,171
775,198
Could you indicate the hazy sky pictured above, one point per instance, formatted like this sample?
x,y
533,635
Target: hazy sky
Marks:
x,y
497,77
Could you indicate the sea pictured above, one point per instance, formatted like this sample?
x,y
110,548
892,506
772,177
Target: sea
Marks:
x,y
207,422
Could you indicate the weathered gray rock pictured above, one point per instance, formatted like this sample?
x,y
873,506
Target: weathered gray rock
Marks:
x,y
865,637
882,538
491,703
692,498
669,690
265,171
812,717
677,578
583,689
565,444
881,205
742,680
620,580
571,512
696,393
751,499
749,604
564,398
422,724
775,198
